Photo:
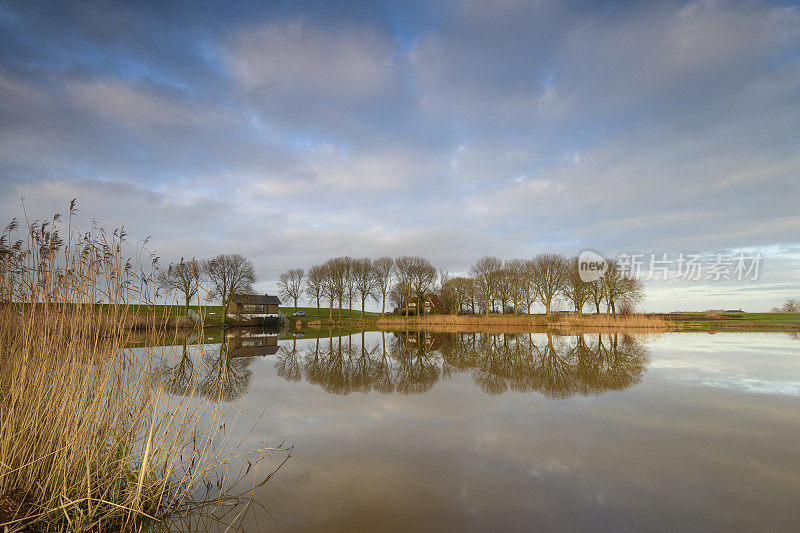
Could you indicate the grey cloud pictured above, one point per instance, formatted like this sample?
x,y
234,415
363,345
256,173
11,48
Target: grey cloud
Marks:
x,y
293,133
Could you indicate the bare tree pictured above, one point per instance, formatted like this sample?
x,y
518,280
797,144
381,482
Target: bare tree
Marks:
x,y
403,285
485,273
422,279
620,287
290,285
382,270
364,279
397,295
527,285
597,293
416,276
504,287
183,277
456,293
329,284
549,276
348,275
334,281
632,292
517,279
575,289
229,274
789,306
314,282
341,271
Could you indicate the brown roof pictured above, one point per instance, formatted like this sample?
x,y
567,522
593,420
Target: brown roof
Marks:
x,y
436,302
262,299
432,298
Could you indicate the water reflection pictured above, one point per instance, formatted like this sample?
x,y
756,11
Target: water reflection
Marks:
x,y
555,366
221,371
702,443
413,362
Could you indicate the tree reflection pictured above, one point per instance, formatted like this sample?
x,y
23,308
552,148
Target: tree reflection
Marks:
x,y
288,366
413,362
177,378
556,366
225,375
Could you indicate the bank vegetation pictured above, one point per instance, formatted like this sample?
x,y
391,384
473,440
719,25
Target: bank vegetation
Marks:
x,y
88,440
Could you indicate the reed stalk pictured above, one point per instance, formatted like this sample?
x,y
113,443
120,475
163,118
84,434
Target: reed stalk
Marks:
x,y
87,440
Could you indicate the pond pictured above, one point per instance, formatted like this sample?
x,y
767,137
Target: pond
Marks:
x,y
473,431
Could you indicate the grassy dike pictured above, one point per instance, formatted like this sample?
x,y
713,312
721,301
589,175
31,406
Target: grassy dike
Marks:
x,y
174,317
651,321
733,321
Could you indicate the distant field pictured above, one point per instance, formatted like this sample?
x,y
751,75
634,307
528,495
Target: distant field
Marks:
x,y
744,321
311,312
703,321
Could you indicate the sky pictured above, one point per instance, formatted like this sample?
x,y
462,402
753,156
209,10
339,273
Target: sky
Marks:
x,y
291,132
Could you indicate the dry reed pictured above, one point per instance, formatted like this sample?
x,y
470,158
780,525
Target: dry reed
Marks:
x,y
524,322
88,440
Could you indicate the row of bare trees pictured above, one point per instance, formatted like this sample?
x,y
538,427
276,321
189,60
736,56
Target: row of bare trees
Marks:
x,y
516,283
544,279
343,279
220,277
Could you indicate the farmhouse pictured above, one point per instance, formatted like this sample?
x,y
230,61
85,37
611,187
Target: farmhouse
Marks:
x,y
253,307
431,304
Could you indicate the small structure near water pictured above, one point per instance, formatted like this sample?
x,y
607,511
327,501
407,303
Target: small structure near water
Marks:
x,y
256,309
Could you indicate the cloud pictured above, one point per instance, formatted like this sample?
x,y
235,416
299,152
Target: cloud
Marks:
x,y
127,105
295,132
288,56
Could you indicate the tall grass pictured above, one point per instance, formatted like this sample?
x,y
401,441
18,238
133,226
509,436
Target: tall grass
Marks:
x,y
518,322
88,440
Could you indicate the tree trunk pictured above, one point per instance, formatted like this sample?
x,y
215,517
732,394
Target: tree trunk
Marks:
x,y
186,311
330,310
383,306
547,308
362,307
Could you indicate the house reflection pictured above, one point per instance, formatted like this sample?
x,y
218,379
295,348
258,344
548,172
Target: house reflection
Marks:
x,y
252,343
217,371
413,362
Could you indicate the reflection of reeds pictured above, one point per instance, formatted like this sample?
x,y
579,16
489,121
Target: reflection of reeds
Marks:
x,y
523,322
86,441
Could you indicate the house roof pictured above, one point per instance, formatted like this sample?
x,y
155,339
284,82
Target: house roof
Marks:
x,y
262,299
431,297
436,302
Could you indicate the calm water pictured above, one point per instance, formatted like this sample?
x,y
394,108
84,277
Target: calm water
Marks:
x,y
685,431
